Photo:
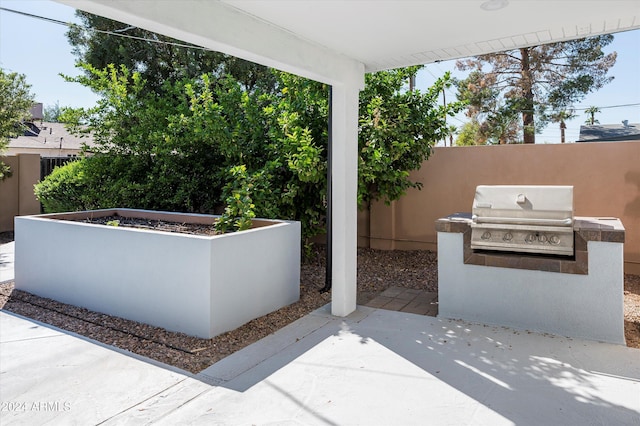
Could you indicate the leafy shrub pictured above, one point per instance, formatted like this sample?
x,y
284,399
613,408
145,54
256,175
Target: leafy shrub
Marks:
x,y
208,144
240,208
64,189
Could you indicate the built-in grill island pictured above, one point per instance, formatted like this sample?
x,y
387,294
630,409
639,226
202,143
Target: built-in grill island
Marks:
x,y
522,259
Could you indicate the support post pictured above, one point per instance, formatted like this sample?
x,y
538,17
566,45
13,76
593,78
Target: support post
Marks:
x,y
344,187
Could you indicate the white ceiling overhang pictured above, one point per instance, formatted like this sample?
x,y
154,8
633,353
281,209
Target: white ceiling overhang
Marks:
x,y
336,40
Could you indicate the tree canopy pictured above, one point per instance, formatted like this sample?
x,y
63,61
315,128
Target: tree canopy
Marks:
x,y
15,102
54,113
591,112
513,94
561,117
182,128
100,41
209,142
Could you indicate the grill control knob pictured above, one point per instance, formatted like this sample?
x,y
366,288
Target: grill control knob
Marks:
x,y
554,239
542,238
508,236
486,235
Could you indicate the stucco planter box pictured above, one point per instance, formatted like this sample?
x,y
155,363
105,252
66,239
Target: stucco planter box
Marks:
x,y
198,285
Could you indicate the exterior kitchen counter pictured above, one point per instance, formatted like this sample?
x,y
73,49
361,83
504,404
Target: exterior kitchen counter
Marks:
x,y
575,296
604,229
599,229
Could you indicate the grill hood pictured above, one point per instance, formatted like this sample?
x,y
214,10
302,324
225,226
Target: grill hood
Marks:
x,y
524,205
525,219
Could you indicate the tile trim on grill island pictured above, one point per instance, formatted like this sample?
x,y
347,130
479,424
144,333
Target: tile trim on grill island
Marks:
x,y
585,229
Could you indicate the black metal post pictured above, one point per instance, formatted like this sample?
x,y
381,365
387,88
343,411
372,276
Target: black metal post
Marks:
x,y
329,248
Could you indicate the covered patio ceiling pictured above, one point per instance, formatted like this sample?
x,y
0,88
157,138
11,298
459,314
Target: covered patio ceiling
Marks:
x,y
321,39
392,33
338,41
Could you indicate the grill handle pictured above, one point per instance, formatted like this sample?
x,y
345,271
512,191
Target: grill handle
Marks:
x,y
523,221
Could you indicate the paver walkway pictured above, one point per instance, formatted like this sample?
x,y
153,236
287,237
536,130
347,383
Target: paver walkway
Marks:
x,y
407,300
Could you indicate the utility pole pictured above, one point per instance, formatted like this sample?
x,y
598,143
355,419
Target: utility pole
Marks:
x,y
444,102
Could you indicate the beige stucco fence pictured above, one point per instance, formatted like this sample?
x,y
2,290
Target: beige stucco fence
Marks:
x,y
605,176
16,193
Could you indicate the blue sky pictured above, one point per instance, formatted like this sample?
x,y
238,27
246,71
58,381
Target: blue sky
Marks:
x,y
40,50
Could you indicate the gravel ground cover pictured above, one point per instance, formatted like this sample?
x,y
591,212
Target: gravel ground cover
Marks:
x,y
377,270
6,237
632,310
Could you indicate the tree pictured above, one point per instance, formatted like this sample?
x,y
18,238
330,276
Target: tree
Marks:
x,y
101,41
397,131
152,151
470,134
15,102
592,111
53,113
561,117
494,120
208,142
533,81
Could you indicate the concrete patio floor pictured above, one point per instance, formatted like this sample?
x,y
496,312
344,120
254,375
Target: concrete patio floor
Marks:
x,y
376,367
6,262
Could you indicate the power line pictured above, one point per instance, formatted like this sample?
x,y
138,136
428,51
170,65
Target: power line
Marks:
x,y
426,67
448,90
574,109
120,33
609,106
54,21
117,33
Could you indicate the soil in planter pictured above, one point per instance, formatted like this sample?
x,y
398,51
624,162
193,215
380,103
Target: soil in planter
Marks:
x,y
156,225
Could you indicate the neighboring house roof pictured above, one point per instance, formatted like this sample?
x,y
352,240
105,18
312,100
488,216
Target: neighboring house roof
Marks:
x,y
610,133
45,135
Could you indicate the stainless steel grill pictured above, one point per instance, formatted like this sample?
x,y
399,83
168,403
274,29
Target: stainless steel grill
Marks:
x,y
529,219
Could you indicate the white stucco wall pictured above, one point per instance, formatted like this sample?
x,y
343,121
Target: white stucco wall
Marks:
x,y
253,275
198,285
582,306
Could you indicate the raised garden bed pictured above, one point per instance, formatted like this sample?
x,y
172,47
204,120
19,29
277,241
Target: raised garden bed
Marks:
x,y
201,285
